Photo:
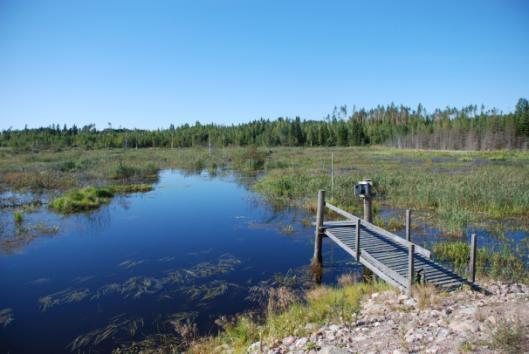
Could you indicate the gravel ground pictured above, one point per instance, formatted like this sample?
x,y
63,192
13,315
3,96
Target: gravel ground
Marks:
x,y
463,321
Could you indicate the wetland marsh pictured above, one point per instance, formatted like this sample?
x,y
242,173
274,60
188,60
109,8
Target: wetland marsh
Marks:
x,y
176,244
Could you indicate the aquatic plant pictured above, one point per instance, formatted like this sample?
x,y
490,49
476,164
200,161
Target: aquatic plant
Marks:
x,y
142,172
82,200
26,234
129,263
91,198
117,326
18,215
6,317
503,264
62,297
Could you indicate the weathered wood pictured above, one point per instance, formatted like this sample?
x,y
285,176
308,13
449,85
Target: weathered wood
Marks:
x,y
390,272
317,259
363,261
472,265
408,225
411,274
390,257
368,215
341,212
357,241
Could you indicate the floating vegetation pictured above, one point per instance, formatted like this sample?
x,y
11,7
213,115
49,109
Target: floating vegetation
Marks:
x,y
6,317
128,264
119,328
62,297
225,264
136,287
112,288
288,230
153,344
209,291
25,234
177,319
83,279
167,259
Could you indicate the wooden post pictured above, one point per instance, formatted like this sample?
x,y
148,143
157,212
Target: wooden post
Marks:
x,y
472,265
317,259
367,209
357,251
408,225
411,265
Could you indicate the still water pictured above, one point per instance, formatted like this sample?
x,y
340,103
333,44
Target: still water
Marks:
x,y
192,250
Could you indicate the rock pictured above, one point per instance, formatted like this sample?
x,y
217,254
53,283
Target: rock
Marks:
x,y
334,328
464,326
289,340
255,347
410,302
332,350
300,343
469,311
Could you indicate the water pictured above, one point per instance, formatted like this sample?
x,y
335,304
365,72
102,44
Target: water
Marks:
x,y
195,248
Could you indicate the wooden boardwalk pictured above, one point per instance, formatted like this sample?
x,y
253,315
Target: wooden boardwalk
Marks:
x,y
387,255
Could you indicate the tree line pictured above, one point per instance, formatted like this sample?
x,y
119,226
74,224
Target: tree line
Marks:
x,y
468,128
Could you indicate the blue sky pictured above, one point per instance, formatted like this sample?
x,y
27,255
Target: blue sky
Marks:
x,y
147,64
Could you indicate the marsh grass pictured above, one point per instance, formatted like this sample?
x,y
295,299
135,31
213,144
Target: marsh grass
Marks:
x,y
84,199
91,198
504,265
452,188
322,304
19,217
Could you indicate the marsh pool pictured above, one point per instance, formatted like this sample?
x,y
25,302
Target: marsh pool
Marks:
x,y
193,250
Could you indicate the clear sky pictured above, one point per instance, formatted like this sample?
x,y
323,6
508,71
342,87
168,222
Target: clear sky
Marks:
x,y
147,64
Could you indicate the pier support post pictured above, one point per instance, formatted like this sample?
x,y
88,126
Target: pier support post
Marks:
x,y
472,259
357,235
367,209
411,266
317,259
408,225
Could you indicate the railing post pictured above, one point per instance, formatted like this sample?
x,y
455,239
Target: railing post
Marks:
x,y
357,251
472,265
367,209
408,225
317,259
411,270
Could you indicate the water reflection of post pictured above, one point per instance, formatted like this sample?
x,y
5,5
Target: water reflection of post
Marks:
x,y
317,259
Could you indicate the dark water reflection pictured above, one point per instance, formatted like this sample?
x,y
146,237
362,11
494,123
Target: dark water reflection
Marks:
x,y
194,249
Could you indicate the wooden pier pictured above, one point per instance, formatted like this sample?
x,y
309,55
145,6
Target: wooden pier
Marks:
x,y
396,260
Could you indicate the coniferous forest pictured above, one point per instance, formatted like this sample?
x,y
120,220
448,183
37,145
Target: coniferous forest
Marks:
x,y
468,128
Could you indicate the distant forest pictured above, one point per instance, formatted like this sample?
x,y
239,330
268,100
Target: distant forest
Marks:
x,y
468,128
